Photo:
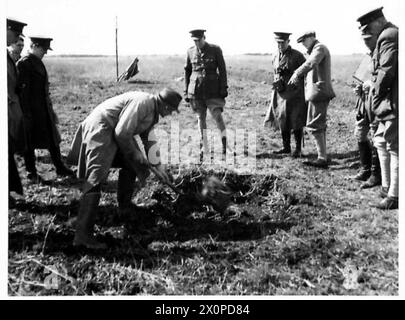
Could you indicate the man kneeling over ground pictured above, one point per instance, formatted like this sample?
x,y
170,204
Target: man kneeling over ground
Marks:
x,y
105,139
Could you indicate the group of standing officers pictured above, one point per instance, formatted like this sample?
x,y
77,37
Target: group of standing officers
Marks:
x,y
296,103
301,92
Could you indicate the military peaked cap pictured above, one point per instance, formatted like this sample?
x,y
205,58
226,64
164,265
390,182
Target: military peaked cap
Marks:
x,y
370,16
42,42
197,33
306,35
15,25
282,36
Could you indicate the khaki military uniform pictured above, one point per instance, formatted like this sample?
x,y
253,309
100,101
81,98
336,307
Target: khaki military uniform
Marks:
x,y
109,131
206,84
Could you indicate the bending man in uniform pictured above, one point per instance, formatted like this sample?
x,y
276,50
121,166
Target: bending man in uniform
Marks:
x,y
105,139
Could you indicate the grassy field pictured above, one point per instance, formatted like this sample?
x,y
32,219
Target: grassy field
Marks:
x,y
292,230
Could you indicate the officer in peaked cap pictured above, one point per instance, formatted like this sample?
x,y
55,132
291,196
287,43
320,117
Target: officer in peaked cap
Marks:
x,y
43,42
197,34
307,34
282,36
206,85
39,115
16,26
287,108
370,16
384,90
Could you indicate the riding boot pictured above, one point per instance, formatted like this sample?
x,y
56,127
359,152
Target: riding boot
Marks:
x,y
286,136
126,185
85,222
298,134
365,151
375,177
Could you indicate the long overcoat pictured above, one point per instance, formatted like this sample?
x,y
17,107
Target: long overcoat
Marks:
x,y
39,117
287,109
109,130
317,69
385,74
15,115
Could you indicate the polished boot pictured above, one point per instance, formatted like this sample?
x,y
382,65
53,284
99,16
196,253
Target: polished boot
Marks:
x,y
85,222
286,136
365,161
126,185
375,176
298,135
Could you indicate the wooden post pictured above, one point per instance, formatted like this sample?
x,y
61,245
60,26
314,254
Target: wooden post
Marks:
x,y
116,45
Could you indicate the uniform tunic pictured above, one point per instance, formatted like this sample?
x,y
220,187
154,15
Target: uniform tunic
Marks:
x,y
110,128
287,109
39,117
205,73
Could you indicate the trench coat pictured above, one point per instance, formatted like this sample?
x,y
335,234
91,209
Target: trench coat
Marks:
x,y
317,69
39,117
385,74
15,115
287,109
109,131
205,73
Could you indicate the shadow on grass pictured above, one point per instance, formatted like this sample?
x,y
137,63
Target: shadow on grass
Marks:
x,y
142,227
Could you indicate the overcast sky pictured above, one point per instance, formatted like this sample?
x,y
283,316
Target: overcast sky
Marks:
x,y
161,26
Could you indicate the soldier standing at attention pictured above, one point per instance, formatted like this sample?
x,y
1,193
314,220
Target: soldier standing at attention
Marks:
x,y
15,116
318,92
287,108
39,117
384,94
206,85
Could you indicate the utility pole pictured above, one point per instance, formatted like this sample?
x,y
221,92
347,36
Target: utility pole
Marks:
x,y
116,45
